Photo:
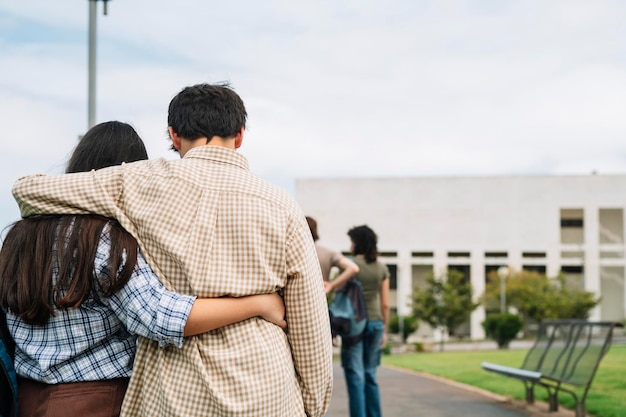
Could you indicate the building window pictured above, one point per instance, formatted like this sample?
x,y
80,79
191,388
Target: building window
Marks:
x,y
422,254
572,269
612,290
611,226
491,272
464,269
540,269
458,254
572,226
393,276
572,254
491,275
496,254
575,223
420,275
533,254
607,254
574,275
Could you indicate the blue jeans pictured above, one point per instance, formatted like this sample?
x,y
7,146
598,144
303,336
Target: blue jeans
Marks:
x,y
360,361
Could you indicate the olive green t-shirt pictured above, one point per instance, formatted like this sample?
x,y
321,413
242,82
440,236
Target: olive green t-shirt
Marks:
x,y
371,276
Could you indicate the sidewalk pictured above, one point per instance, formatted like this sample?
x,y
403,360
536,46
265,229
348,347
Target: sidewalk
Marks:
x,y
410,394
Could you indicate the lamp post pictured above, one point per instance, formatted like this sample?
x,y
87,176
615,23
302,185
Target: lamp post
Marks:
x,y
91,89
503,273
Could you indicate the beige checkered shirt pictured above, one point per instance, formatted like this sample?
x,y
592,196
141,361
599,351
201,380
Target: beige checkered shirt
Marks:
x,y
209,227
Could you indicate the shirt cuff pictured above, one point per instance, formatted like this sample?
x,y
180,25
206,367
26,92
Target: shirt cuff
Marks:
x,y
174,311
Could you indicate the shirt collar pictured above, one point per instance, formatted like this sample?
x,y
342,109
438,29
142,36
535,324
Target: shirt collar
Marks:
x,y
218,154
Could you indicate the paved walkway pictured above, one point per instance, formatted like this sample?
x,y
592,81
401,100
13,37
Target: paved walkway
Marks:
x,y
410,394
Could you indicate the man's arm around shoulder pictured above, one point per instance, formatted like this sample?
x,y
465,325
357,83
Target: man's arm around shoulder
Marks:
x,y
86,192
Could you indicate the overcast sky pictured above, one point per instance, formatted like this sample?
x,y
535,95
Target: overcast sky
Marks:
x,y
334,88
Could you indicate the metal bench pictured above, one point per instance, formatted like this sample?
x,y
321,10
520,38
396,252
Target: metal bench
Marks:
x,y
564,357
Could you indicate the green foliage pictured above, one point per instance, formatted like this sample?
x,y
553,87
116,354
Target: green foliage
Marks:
x,y
387,349
410,325
502,328
446,302
537,297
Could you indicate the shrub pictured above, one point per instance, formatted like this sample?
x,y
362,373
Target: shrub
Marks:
x,y
410,326
502,328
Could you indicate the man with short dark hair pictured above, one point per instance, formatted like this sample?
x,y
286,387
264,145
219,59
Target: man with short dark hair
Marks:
x,y
213,229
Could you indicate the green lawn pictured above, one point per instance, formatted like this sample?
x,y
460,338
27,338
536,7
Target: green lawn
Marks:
x,y
606,398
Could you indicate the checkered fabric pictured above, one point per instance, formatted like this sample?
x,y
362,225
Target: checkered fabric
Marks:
x,y
96,341
208,227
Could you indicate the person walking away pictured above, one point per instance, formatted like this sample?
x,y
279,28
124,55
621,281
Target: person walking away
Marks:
x,y
360,360
329,258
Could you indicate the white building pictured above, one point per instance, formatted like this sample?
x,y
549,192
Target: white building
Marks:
x,y
552,224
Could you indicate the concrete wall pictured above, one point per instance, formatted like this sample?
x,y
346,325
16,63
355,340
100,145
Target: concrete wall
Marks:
x,y
431,223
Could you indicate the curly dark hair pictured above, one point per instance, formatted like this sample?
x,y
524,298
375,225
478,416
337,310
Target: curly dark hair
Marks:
x,y
365,242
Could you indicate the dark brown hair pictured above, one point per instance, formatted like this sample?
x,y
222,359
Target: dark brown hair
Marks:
x,y
313,227
38,249
365,242
207,110
105,145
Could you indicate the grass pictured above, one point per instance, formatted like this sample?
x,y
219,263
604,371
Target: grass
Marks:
x,y
606,398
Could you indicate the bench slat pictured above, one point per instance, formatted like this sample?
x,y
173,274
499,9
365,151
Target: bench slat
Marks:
x,y
512,372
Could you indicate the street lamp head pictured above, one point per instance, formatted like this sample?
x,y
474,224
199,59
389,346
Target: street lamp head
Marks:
x,y
503,271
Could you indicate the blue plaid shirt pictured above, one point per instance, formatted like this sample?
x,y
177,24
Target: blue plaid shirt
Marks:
x,y
98,340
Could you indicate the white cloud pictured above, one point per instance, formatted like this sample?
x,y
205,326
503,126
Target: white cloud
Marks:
x,y
348,88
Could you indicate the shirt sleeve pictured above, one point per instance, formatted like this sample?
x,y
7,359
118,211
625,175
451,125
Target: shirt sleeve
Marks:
x,y
144,305
336,259
96,192
386,273
309,324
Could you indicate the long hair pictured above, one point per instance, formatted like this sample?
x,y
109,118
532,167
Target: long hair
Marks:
x,y
364,242
37,249
104,145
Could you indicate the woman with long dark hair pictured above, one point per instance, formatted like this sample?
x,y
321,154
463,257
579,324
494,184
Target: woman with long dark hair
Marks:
x,y
77,292
360,360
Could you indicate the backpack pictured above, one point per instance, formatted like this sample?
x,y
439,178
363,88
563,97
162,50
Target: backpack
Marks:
x,y
8,377
348,312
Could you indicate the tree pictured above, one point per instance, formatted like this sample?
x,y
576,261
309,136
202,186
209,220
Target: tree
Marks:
x,y
445,303
537,297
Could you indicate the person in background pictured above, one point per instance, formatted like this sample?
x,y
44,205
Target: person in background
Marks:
x,y
328,259
208,226
77,291
360,360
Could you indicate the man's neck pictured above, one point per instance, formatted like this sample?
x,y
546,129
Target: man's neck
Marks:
x,y
187,145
